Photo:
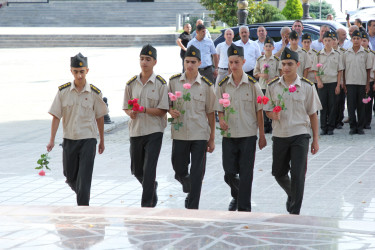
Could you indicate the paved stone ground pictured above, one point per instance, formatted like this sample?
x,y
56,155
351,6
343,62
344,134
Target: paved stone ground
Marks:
x,y
339,181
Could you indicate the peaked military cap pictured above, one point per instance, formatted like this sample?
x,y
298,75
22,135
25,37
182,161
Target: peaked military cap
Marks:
x,y
78,61
289,54
268,40
192,51
148,50
293,35
356,33
364,35
235,50
306,37
328,34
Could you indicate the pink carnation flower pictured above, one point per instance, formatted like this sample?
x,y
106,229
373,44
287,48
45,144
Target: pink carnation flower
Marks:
x,y
369,99
178,94
365,100
319,65
221,101
226,103
42,173
292,88
259,99
266,66
226,95
172,97
187,86
141,108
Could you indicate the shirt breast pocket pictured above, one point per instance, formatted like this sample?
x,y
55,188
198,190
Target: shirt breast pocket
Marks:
x,y
67,106
247,101
297,97
87,109
199,104
152,100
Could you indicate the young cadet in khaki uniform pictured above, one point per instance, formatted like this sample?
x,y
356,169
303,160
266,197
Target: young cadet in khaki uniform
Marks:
x,y
368,106
197,135
239,149
82,109
291,129
306,43
146,127
357,63
273,71
328,83
304,59
340,98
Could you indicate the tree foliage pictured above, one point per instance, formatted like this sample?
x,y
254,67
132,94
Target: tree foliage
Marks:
x,y
226,10
293,10
326,9
268,14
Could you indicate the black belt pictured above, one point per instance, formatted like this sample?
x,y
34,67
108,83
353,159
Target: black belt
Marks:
x,y
206,67
223,68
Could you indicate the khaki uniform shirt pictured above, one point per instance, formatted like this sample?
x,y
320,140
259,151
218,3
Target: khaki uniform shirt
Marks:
x,y
372,55
332,64
243,98
195,124
312,54
79,110
304,59
355,66
273,70
299,105
152,94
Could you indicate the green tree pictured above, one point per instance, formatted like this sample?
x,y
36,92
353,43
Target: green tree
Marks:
x,y
268,14
326,9
293,10
226,10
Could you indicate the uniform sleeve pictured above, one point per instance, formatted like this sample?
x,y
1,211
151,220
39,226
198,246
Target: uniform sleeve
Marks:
x,y
169,90
312,102
373,68
127,97
258,92
280,65
341,64
56,107
314,63
219,94
268,106
308,62
163,95
257,68
343,59
369,61
100,108
210,99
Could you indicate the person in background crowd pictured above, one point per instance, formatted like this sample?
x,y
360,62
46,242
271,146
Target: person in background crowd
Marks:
x,y
194,34
330,17
221,50
284,42
298,27
318,44
343,42
306,42
183,40
261,33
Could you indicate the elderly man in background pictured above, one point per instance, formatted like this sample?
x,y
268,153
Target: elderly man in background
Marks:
x,y
343,41
222,51
318,44
251,50
284,42
194,34
261,33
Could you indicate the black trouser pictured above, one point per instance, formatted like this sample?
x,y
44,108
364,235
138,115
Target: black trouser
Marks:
x,y
340,107
368,106
238,158
144,154
327,98
183,66
250,73
181,151
208,73
290,153
355,94
78,164
267,121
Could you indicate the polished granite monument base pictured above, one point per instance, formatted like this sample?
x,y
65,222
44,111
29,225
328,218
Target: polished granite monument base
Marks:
x,y
32,227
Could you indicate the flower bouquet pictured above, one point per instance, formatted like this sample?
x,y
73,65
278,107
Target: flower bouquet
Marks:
x,y
266,68
320,69
43,163
367,99
279,104
227,111
133,105
181,98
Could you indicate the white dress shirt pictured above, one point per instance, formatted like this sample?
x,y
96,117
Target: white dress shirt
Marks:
x,y
251,54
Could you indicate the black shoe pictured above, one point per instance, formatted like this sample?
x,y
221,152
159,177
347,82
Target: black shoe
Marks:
x,y
155,200
288,201
187,201
233,205
339,126
352,132
330,132
367,127
323,132
360,132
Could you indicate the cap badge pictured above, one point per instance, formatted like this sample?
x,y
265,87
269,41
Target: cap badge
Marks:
x,y
80,63
193,53
288,55
235,51
150,52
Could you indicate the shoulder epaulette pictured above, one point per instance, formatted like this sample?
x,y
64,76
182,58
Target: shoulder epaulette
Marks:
x,y
367,50
131,80
223,81
373,52
251,79
307,81
207,81
273,80
95,89
259,58
278,59
175,76
65,86
304,50
336,50
342,49
315,50
318,53
161,79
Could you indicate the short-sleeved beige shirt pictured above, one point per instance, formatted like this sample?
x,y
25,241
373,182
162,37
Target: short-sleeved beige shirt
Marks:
x,y
273,70
299,105
372,55
78,110
311,75
195,123
243,99
304,59
332,64
152,94
355,65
